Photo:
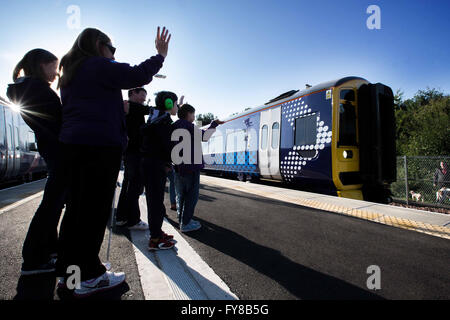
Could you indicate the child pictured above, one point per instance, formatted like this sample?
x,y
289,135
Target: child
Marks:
x,y
187,175
156,149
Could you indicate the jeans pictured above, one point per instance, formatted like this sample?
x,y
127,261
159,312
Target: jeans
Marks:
x,y
154,176
172,193
187,187
42,235
91,174
132,188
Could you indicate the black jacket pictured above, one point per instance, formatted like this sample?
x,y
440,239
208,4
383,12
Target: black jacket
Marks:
x,y
135,120
156,134
440,179
40,108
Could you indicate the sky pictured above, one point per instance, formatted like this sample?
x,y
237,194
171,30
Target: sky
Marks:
x,y
225,56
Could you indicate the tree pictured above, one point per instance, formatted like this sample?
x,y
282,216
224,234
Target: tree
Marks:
x,y
422,123
206,118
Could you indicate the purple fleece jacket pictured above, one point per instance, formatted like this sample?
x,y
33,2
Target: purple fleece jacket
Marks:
x,y
92,102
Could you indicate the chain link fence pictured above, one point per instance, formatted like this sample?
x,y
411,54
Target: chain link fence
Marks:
x,y
416,182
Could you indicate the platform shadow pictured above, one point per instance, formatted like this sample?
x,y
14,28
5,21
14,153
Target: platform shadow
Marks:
x,y
300,281
36,287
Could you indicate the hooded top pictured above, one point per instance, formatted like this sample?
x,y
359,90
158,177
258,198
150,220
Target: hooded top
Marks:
x,y
156,135
92,102
40,107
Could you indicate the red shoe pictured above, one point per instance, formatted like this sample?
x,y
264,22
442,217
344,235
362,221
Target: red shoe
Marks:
x,y
166,236
161,244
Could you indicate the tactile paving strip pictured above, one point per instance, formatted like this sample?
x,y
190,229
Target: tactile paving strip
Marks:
x,y
434,230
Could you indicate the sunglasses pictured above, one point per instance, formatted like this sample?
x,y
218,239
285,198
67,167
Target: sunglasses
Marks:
x,y
111,48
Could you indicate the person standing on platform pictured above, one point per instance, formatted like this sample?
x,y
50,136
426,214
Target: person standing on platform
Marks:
x,y
40,108
187,175
128,212
157,163
93,137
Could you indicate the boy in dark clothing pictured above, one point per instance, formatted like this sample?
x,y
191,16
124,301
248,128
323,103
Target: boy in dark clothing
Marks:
x,y
156,163
132,186
187,175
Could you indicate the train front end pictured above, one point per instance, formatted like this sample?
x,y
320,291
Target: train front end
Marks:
x,y
364,150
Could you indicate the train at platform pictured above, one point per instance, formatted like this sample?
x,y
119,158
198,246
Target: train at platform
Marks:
x,y
335,138
19,158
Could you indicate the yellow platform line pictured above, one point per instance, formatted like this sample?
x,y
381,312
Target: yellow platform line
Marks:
x,y
434,230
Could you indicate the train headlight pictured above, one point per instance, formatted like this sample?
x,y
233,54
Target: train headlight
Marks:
x,y
348,154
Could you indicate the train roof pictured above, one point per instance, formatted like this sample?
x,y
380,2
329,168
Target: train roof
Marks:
x,y
295,94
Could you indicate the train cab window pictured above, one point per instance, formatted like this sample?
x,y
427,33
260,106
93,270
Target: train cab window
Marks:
x,y
306,130
347,124
275,135
348,94
264,138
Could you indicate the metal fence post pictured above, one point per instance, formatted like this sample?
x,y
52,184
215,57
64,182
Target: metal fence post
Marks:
x,y
406,179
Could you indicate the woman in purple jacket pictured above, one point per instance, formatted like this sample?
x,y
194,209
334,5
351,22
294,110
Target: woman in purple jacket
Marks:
x,y
93,137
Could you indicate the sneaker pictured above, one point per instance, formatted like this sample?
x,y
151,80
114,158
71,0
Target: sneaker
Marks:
x,y
106,281
168,237
191,226
121,223
61,283
161,244
43,268
141,225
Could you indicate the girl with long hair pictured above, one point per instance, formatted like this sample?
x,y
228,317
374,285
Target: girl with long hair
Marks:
x,y
40,108
93,138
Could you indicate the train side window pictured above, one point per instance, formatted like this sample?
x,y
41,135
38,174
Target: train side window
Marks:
x,y
16,138
306,130
231,142
275,135
2,131
264,138
9,137
347,124
241,141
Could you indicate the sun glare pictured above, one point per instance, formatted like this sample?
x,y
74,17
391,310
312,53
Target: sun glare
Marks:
x,y
15,107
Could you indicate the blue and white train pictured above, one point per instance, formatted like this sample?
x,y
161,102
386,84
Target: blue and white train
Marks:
x,y
335,138
19,159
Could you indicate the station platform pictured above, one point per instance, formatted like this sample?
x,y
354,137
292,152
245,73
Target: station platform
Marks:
x,y
256,242
435,224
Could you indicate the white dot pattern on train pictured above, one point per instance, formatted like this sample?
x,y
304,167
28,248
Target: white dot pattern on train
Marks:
x,y
292,164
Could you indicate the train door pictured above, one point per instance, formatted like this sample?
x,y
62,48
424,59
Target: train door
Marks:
x,y
9,143
269,146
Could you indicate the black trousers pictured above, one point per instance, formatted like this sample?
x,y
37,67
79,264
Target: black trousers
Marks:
x,y
132,188
91,173
154,176
42,235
